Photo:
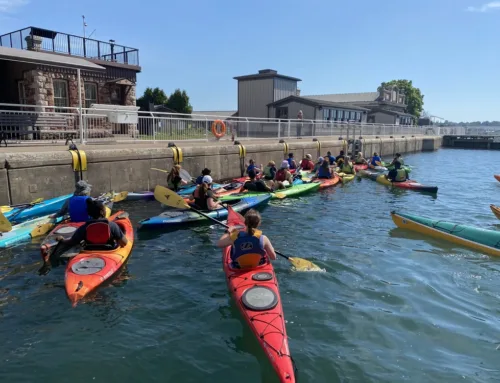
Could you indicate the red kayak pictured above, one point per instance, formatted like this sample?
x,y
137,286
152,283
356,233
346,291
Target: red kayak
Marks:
x,y
328,182
256,294
360,167
497,177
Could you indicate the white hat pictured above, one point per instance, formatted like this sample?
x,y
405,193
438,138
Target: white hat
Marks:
x,y
285,164
207,180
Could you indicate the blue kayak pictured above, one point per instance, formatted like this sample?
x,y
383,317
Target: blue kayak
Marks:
x,y
178,217
22,231
50,206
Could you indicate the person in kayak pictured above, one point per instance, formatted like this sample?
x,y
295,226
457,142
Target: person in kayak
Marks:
x,y
291,162
306,163
375,161
255,185
398,174
270,171
76,206
324,171
347,167
252,166
330,158
204,197
318,163
204,172
283,174
398,158
174,180
360,160
248,248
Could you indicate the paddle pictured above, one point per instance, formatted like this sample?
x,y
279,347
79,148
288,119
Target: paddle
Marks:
x,y
6,209
183,173
170,198
120,196
5,225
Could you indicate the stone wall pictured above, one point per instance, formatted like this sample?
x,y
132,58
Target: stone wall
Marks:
x,y
27,176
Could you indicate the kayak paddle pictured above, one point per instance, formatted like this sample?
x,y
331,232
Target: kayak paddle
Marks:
x,y
170,198
6,209
5,225
119,196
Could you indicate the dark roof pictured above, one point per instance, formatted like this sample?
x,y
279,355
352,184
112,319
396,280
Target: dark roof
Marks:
x,y
346,97
391,112
266,73
317,103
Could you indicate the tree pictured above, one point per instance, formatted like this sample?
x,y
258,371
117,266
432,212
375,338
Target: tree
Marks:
x,y
179,101
155,96
414,98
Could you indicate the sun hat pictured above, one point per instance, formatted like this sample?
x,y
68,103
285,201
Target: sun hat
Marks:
x,y
284,164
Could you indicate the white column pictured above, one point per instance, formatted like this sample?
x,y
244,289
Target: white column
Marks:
x,y
80,110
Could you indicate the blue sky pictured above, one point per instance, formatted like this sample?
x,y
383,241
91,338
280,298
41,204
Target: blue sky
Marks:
x,y
449,48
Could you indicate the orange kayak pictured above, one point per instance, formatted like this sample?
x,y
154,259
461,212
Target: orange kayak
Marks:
x,y
495,210
91,268
328,182
497,177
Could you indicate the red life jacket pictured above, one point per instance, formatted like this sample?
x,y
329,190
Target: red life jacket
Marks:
x,y
98,233
281,175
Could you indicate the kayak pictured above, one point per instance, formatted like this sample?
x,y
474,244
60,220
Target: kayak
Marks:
x,y
91,268
409,184
65,230
497,177
256,294
190,189
405,167
177,217
495,210
293,191
22,232
21,214
139,196
327,182
359,167
345,178
487,241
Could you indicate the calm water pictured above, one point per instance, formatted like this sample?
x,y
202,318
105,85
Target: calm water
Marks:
x,y
392,306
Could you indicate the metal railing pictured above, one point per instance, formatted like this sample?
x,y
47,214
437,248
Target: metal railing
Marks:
x,y
31,124
39,39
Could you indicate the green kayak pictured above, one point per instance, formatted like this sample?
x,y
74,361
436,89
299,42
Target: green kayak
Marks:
x,y
294,191
389,167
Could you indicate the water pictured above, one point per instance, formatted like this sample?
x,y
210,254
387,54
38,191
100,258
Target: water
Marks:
x,y
393,306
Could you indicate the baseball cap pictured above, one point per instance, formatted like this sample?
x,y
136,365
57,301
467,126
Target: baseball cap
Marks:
x,y
207,180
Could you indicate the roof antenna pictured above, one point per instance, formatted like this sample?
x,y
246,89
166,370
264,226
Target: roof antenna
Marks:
x,y
84,25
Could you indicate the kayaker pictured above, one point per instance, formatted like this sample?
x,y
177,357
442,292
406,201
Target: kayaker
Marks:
x,y
398,174
283,174
250,247
252,166
270,171
317,165
359,159
255,185
306,163
347,167
375,161
204,197
204,172
174,180
398,158
76,206
324,170
340,158
291,162
330,158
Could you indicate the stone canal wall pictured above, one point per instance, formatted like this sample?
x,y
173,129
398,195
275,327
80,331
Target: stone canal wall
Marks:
x,y
25,176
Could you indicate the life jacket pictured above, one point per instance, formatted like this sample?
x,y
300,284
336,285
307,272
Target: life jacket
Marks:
x,y
250,167
375,160
324,172
267,173
281,175
199,180
306,164
347,168
247,250
401,176
199,200
290,163
78,208
358,161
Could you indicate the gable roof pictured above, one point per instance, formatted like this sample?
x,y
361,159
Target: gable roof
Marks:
x,y
346,97
317,103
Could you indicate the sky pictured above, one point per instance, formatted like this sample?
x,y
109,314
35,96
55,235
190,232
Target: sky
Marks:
x,y
448,48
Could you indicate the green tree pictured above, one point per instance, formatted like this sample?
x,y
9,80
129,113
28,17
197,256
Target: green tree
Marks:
x,y
155,96
179,101
414,98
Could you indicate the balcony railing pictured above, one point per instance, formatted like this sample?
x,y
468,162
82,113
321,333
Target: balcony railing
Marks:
x,y
45,40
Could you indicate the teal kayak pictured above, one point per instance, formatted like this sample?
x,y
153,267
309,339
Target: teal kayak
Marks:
x,y
21,214
294,191
22,231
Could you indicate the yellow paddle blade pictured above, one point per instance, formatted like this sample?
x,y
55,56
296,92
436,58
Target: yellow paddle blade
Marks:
x,y
120,196
35,201
108,212
5,225
5,209
160,170
42,229
279,195
301,264
170,198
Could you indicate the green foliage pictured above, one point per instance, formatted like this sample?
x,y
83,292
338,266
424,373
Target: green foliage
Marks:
x,y
155,96
179,101
414,98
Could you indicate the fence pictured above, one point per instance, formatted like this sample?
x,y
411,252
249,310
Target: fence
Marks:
x,y
40,124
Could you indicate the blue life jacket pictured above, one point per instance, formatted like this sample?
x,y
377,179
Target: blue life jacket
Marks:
x,y
78,209
250,167
248,248
290,163
199,180
374,159
324,172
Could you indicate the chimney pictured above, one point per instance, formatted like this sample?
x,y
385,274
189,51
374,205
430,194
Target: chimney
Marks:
x,y
297,92
34,43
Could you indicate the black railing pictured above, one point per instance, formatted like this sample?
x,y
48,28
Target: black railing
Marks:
x,y
39,39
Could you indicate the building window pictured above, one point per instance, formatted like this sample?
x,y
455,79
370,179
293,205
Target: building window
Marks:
x,y
358,116
282,112
341,114
90,94
60,95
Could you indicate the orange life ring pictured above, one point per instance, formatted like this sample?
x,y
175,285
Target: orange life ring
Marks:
x,y
215,128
